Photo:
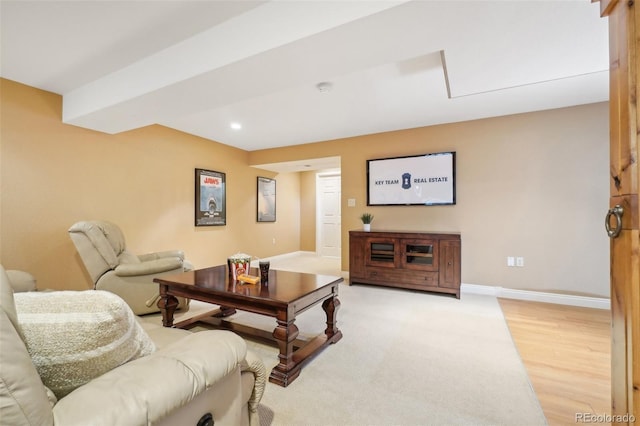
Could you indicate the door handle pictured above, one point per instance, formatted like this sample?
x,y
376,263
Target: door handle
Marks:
x,y
617,212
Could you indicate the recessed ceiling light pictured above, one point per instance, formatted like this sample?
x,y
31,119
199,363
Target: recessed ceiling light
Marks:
x,y
236,126
324,86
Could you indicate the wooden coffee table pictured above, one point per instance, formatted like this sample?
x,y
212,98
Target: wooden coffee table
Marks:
x,y
284,296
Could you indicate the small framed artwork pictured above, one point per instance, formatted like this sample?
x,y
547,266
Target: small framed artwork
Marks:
x,y
211,198
266,199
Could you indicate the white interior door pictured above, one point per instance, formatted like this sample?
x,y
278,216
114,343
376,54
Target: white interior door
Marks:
x,y
328,223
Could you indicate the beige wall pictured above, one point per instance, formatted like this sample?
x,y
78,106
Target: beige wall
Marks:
x,y
53,175
532,185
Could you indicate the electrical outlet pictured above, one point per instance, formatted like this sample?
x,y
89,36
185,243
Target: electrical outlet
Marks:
x,y
274,241
351,202
511,261
520,261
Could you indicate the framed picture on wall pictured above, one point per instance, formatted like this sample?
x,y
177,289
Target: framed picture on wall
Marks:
x,y
210,198
266,200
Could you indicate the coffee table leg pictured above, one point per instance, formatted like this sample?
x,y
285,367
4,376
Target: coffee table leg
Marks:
x,y
285,334
331,307
167,304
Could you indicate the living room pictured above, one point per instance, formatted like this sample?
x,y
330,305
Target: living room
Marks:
x,y
520,180
532,185
75,163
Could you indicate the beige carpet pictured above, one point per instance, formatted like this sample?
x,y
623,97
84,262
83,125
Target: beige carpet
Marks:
x,y
406,358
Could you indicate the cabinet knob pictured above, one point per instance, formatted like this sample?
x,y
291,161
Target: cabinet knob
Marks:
x,y
450,263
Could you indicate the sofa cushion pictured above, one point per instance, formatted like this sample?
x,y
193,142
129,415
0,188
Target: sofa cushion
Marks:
x,y
21,281
7,303
75,336
147,390
23,397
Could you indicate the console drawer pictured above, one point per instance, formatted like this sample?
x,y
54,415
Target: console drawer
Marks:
x,y
395,276
429,279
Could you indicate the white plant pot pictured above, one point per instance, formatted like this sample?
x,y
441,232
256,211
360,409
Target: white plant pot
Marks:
x,y
366,227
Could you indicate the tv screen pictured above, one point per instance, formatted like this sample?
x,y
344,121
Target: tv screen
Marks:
x,y
417,180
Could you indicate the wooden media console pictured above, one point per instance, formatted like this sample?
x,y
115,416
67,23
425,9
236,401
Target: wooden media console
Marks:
x,y
413,260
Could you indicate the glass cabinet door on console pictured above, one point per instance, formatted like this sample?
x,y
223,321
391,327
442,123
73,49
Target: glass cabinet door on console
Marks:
x,y
381,252
419,254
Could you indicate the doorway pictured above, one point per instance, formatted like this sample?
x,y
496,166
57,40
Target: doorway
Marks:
x,y
328,214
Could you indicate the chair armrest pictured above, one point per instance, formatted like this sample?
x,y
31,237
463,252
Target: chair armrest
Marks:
x,y
149,267
147,389
161,255
255,365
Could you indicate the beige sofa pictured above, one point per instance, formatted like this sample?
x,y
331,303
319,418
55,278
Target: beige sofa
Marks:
x,y
173,377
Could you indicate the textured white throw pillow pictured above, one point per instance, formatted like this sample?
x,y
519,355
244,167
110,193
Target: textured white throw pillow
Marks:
x,y
75,336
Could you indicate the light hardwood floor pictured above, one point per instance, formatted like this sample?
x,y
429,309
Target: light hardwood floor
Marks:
x,y
567,353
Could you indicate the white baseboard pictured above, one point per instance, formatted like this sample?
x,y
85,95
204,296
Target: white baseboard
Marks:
x,y
254,263
290,254
507,293
537,296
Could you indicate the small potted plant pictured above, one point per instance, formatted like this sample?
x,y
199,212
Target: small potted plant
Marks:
x,y
366,219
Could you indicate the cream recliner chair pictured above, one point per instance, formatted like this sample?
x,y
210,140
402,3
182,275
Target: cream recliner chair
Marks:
x,y
176,377
112,267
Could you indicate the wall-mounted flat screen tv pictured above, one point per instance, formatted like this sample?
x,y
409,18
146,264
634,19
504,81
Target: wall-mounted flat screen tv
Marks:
x,y
417,180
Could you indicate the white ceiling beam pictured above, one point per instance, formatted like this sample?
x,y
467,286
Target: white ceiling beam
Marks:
x,y
108,104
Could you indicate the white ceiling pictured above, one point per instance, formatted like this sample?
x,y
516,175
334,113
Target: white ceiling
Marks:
x,y
197,66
